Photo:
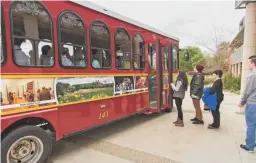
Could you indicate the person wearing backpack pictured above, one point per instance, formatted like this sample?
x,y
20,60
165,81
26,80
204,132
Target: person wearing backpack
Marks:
x,y
217,88
179,89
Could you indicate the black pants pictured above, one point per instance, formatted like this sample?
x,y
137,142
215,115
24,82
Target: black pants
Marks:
x,y
178,103
216,116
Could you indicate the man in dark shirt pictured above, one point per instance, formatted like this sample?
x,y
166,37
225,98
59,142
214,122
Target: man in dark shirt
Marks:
x,y
217,88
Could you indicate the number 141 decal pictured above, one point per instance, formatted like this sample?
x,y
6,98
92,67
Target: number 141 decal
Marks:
x,y
103,115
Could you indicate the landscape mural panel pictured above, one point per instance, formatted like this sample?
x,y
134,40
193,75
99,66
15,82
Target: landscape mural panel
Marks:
x,y
84,88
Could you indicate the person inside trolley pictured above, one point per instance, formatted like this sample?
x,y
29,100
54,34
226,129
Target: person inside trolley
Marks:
x,y
65,57
95,62
20,57
79,57
46,57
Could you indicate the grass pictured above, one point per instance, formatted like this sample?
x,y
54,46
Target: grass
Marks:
x,y
73,97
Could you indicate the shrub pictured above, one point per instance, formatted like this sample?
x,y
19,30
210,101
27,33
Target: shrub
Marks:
x,y
227,80
208,79
232,83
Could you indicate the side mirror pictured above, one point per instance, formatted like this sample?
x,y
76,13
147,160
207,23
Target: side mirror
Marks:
x,y
186,56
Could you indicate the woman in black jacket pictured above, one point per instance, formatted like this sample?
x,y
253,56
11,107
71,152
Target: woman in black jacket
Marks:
x,y
217,88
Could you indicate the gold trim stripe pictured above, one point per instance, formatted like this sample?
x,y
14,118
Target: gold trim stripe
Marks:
x,y
66,73
6,112
15,76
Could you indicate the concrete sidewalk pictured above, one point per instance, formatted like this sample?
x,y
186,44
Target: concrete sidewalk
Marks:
x,y
154,139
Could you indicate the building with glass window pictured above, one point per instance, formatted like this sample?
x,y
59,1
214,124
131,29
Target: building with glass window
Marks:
x,y
244,44
235,60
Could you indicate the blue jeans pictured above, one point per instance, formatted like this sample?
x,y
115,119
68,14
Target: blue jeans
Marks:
x,y
250,117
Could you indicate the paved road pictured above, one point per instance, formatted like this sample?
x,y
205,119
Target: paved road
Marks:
x,y
154,139
93,146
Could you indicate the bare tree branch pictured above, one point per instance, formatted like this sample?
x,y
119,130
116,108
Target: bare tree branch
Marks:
x,y
218,48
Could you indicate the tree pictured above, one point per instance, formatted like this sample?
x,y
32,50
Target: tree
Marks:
x,y
196,57
223,51
219,35
61,88
218,48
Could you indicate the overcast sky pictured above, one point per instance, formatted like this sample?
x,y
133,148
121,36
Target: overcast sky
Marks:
x,y
192,22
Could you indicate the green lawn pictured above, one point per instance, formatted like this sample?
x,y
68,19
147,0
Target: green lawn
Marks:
x,y
86,96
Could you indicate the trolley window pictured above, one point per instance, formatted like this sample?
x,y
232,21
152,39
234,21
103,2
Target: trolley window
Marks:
x,y
72,44
31,34
100,45
122,49
3,40
165,58
175,58
138,52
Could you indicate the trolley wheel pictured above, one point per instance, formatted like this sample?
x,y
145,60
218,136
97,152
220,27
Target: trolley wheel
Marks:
x,y
26,144
168,110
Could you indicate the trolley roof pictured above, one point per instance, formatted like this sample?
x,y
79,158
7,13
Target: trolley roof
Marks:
x,y
100,9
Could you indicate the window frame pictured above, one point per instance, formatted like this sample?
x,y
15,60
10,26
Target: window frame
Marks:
x,y
115,49
60,43
137,33
177,61
13,36
110,48
3,38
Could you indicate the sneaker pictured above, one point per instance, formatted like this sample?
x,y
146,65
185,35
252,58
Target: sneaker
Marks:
x,y
176,121
246,148
179,123
194,119
212,127
197,122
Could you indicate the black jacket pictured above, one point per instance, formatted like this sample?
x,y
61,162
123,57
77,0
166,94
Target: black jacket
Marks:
x,y
197,85
218,88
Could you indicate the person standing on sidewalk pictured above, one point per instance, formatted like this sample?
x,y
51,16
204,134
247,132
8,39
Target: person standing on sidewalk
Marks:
x,y
249,99
179,90
196,93
217,88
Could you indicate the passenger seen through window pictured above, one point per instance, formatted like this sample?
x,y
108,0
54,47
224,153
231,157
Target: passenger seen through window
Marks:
x,y
20,57
65,57
46,58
